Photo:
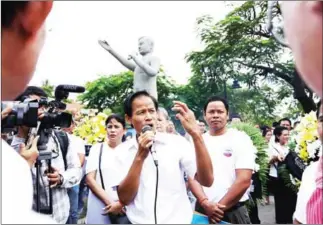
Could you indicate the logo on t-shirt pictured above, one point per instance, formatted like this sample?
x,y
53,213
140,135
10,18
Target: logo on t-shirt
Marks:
x,y
227,152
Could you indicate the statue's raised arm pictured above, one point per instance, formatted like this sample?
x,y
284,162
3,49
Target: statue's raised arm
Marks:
x,y
125,62
145,67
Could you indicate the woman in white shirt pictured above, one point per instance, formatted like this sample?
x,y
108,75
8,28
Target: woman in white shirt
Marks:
x,y
285,198
267,133
103,205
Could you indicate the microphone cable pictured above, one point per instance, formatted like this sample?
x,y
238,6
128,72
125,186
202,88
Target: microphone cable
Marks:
x,y
156,192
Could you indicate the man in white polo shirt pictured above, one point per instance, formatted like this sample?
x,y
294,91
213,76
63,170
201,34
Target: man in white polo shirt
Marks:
x,y
137,190
233,159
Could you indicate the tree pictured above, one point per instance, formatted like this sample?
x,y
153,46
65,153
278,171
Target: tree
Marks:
x,y
255,106
239,47
48,88
109,92
260,107
196,92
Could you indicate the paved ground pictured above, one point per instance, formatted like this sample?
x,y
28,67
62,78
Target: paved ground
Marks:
x,y
267,212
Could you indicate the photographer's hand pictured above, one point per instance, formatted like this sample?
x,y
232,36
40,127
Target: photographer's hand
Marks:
x,y
54,177
6,112
30,154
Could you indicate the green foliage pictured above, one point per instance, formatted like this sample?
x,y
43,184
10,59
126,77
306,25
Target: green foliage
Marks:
x,y
259,142
109,92
284,174
68,101
240,47
256,106
48,88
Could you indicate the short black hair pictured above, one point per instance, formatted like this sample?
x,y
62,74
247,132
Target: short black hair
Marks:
x,y
265,130
278,131
275,124
285,119
9,11
118,118
127,107
31,90
216,99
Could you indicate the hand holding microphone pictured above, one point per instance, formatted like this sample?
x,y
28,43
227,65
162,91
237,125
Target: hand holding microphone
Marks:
x,y
145,141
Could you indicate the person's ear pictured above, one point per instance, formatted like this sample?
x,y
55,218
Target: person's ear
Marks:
x,y
32,18
128,119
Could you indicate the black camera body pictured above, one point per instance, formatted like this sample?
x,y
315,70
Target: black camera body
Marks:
x,y
23,114
26,113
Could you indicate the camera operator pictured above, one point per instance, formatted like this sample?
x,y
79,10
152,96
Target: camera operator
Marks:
x,y
22,36
65,172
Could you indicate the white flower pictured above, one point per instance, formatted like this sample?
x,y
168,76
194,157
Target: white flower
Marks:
x,y
313,147
257,167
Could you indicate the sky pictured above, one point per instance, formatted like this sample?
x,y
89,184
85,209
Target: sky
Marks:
x,y
72,55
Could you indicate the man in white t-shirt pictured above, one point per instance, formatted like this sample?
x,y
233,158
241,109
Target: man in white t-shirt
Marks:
x,y
233,159
22,37
152,187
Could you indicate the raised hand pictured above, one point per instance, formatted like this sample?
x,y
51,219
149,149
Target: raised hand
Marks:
x,y
186,116
105,45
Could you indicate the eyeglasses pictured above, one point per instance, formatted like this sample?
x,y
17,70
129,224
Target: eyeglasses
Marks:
x,y
275,23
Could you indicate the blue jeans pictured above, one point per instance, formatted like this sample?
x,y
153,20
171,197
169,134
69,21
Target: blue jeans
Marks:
x,y
73,194
83,194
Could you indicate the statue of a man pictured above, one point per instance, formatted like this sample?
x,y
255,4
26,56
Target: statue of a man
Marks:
x,y
145,69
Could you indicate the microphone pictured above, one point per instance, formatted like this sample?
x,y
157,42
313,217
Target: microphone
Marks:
x,y
152,150
70,88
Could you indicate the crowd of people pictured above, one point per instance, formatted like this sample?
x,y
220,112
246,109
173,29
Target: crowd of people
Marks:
x,y
158,175
110,171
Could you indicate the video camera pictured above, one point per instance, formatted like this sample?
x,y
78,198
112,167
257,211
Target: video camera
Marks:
x,y
26,113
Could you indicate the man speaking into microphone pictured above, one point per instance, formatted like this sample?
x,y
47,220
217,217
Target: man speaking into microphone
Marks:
x,y
152,186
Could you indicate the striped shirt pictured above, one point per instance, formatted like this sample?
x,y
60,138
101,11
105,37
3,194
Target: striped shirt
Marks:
x,y
72,176
314,210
